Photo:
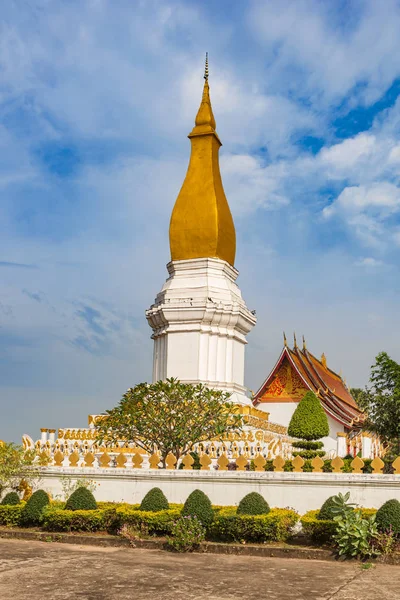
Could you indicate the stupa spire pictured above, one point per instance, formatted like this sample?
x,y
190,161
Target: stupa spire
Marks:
x,y
201,223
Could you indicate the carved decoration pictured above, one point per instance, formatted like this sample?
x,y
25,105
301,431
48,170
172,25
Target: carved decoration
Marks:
x,y
223,462
137,460
58,458
317,463
170,462
154,461
357,464
205,462
187,462
259,462
396,466
278,463
104,460
298,464
337,464
286,384
241,463
89,459
121,461
74,459
377,465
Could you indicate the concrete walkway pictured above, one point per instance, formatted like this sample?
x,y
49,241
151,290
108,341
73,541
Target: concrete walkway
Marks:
x,y
40,571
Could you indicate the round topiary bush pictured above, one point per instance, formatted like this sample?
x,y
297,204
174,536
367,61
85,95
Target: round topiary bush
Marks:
x,y
154,501
32,512
309,423
81,499
10,499
388,516
199,505
253,504
325,513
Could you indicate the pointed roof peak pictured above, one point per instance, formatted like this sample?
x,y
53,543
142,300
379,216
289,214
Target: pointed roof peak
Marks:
x,y
205,120
206,68
294,340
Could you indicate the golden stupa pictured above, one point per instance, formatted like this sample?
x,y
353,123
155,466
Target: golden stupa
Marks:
x,y
201,221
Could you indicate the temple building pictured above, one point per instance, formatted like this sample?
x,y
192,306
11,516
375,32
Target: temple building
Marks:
x,y
296,372
200,322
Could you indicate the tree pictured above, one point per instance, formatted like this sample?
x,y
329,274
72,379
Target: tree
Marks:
x,y
381,402
169,416
359,396
309,423
15,464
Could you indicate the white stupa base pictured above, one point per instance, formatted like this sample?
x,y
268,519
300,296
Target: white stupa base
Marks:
x,y
200,322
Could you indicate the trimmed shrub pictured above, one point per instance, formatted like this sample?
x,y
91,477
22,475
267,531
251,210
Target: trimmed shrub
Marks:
x,y
10,499
10,515
325,512
253,504
319,530
199,505
309,423
32,513
154,501
81,499
74,520
276,526
388,516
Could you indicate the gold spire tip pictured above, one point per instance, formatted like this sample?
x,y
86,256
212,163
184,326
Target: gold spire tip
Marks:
x,y
284,339
294,340
304,343
206,68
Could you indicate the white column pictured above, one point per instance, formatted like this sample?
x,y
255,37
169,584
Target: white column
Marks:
x,y
52,436
43,436
341,444
366,445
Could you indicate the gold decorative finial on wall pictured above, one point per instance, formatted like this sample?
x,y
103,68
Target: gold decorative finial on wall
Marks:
x,y
206,68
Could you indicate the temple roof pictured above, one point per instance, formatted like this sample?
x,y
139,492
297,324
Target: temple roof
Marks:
x,y
297,371
201,222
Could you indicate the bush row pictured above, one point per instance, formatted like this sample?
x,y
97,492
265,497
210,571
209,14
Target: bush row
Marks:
x,y
322,530
226,525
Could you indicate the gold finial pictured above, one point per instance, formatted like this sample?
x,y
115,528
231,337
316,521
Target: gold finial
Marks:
x,y
284,339
294,340
323,360
304,343
206,68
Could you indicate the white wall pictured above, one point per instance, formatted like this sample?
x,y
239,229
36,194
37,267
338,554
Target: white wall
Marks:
x,y
302,491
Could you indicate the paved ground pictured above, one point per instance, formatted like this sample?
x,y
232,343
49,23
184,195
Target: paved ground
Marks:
x,y
41,571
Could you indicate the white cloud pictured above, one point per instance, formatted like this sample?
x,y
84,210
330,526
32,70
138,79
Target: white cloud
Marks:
x,y
368,262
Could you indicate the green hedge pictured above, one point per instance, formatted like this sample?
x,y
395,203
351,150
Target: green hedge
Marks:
x,y
322,530
74,520
10,515
276,526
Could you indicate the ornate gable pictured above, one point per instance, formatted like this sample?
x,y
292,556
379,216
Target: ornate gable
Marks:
x,y
284,385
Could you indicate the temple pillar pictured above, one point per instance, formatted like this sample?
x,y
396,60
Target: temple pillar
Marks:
x,y
43,435
366,445
341,444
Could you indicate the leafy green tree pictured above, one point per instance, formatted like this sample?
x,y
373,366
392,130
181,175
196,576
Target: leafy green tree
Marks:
x,y
309,423
359,396
381,402
15,464
169,416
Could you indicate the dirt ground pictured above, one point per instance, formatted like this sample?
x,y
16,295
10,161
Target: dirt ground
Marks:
x,y
42,571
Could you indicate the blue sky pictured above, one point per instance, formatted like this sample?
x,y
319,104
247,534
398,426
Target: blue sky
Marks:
x,y
96,100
